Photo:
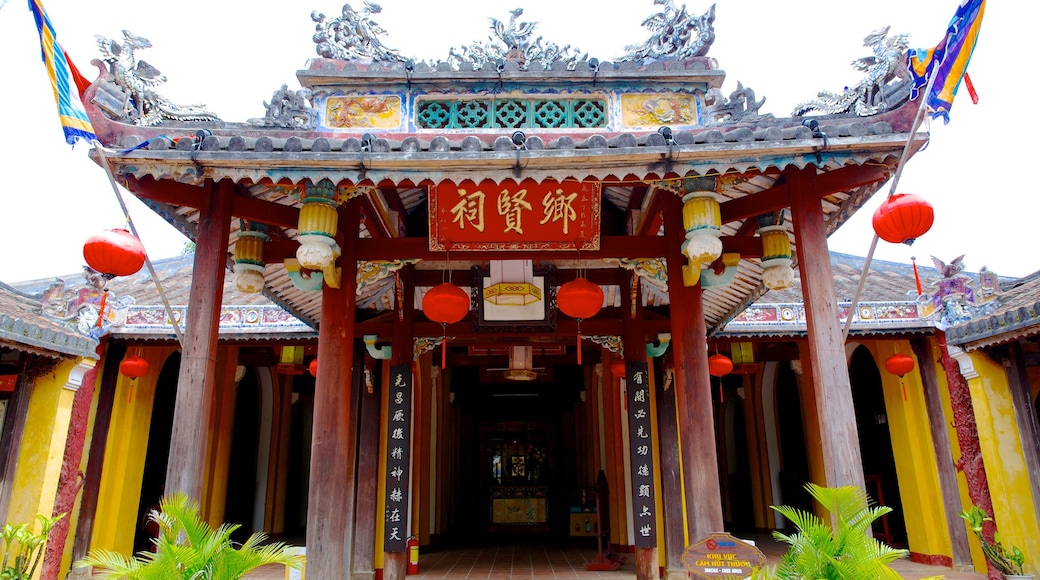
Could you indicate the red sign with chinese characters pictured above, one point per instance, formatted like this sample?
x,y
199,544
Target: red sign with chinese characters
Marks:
x,y
530,215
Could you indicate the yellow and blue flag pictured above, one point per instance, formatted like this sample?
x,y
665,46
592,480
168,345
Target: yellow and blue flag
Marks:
x,y
948,60
67,82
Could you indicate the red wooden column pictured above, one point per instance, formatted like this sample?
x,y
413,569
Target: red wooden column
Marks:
x,y
830,371
186,469
692,388
329,518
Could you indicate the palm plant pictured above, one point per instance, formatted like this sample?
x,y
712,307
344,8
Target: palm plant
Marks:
x,y
189,549
844,551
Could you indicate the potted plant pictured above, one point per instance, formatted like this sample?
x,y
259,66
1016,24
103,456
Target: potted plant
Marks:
x,y
23,548
1007,561
188,548
843,552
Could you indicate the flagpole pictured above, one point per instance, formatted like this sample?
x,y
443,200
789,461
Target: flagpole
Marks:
x,y
148,261
918,119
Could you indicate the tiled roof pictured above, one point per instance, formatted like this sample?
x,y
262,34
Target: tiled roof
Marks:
x,y
23,327
1018,316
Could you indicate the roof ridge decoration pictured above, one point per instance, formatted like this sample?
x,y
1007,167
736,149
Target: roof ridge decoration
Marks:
x,y
512,42
354,36
871,94
130,90
675,35
956,297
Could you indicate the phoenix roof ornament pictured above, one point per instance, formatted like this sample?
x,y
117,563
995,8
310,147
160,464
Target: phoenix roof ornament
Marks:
x,y
353,36
871,94
513,42
675,35
130,92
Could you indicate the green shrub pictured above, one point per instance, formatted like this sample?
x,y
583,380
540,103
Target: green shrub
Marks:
x,y
23,548
843,552
189,549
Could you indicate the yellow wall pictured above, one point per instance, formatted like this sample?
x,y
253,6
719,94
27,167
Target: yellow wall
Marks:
x,y
1006,470
914,452
116,519
43,445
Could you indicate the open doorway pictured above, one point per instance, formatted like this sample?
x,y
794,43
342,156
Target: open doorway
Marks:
x,y
157,455
875,445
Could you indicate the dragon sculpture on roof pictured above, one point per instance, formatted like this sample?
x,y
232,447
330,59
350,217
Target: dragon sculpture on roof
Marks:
x,y
868,96
131,91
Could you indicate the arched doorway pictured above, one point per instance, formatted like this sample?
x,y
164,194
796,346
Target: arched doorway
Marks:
x,y
875,443
157,456
794,461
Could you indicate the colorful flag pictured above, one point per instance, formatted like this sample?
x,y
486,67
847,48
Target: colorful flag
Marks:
x,y
948,60
67,82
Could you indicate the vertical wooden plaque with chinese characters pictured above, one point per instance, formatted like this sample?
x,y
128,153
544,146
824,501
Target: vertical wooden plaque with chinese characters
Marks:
x,y
398,428
530,215
641,442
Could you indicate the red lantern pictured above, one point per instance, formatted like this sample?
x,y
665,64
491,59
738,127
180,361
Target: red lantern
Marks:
x,y
446,303
580,299
134,366
617,367
114,253
313,368
899,364
719,364
902,218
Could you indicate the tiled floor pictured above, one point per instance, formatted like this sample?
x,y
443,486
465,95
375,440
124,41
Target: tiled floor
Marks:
x,y
544,561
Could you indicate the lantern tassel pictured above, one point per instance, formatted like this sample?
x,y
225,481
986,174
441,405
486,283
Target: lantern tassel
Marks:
x,y
917,277
579,340
444,346
101,310
902,384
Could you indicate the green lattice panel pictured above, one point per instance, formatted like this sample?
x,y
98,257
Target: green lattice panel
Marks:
x,y
434,115
511,114
550,114
472,114
588,114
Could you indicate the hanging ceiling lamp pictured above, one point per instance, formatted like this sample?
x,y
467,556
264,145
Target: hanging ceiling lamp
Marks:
x,y
114,252
777,272
719,365
579,299
317,226
902,218
249,257
521,364
313,368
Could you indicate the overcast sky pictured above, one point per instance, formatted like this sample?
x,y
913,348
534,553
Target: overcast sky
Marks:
x,y
232,54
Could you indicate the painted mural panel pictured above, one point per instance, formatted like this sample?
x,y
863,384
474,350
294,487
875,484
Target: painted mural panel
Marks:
x,y
369,112
654,110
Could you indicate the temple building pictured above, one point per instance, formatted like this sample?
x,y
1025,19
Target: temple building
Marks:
x,y
525,291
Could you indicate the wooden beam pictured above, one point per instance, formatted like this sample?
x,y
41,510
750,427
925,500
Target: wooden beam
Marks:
x,y
242,206
780,196
830,372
